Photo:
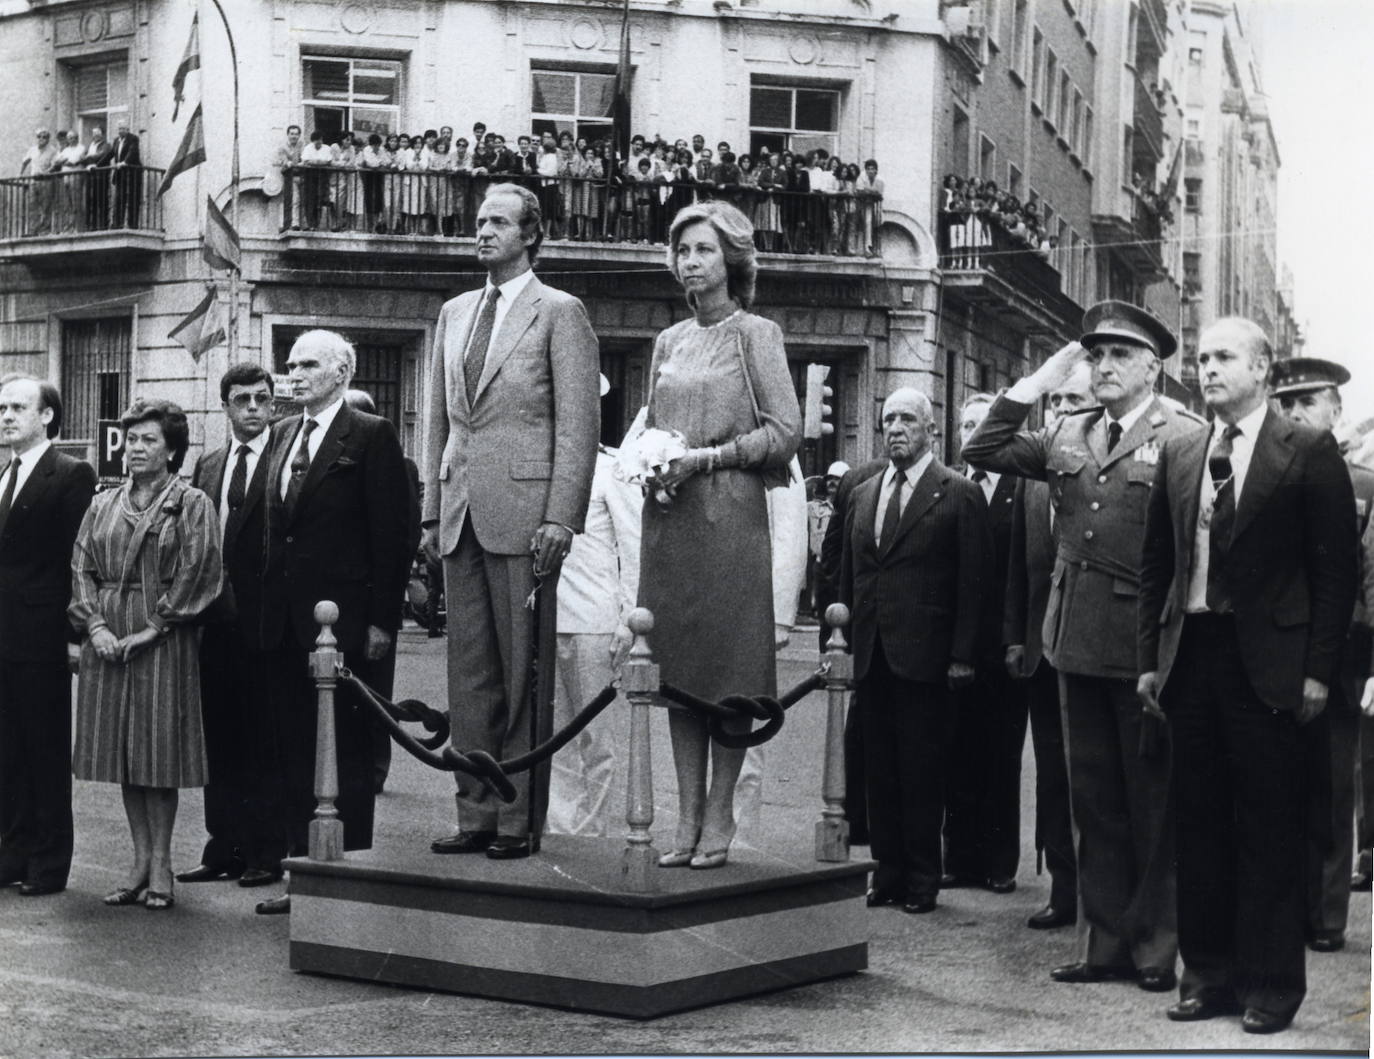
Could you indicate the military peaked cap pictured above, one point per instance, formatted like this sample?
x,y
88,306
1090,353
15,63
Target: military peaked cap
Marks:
x,y
1122,322
1306,375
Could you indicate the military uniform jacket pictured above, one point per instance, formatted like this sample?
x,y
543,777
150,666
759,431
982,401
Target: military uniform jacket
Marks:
x,y
1099,503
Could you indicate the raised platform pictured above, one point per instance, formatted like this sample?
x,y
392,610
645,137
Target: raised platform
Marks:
x,y
559,929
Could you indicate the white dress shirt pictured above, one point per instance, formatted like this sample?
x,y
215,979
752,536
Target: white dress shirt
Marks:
x,y
27,462
256,448
1242,448
510,290
988,484
322,421
599,583
912,475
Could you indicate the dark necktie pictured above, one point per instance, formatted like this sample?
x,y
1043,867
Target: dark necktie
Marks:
x,y
7,501
1223,520
892,514
475,359
238,481
300,464
1113,435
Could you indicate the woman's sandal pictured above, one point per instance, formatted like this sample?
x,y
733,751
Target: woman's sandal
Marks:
x,y
159,902
126,895
677,858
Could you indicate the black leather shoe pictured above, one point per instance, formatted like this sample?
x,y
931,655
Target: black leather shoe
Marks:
x,y
951,881
1327,941
1050,917
1000,884
40,889
210,873
1157,979
1198,1008
918,905
509,847
274,906
258,877
464,842
1256,1021
1087,972
878,898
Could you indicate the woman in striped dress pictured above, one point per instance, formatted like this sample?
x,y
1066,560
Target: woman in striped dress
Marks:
x,y
146,563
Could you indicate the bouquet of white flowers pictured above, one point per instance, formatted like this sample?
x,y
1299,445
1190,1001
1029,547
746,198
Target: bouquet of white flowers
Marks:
x,y
643,458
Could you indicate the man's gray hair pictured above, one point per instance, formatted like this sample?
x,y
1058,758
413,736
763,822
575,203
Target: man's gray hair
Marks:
x,y
328,345
1253,334
920,400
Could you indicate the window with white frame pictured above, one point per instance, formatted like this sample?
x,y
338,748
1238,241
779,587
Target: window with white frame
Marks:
x,y
343,93
575,101
793,118
100,96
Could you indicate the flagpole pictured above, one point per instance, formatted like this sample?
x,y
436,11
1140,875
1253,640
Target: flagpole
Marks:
x,y
233,330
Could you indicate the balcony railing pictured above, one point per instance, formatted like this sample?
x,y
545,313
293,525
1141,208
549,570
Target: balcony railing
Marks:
x,y
1147,226
1147,120
439,205
968,242
79,201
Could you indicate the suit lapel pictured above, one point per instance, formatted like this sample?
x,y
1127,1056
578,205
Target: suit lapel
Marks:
x,y
1187,471
456,353
212,484
257,485
517,321
331,446
277,454
1268,461
34,487
1096,437
866,508
928,489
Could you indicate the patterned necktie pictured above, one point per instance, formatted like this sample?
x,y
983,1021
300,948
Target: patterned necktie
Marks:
x,y
1113,435
300,464
476,357
1223,520
7,501
892,514
238,482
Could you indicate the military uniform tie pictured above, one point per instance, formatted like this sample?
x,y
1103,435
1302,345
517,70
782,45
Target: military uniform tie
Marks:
x,y
1113,435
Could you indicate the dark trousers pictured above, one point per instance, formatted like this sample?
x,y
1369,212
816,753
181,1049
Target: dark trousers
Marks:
x,y
1238,791
1365,787
1126,900
983,791
295,705
1053,823
855,781
35,772
127,185
907,728
239,719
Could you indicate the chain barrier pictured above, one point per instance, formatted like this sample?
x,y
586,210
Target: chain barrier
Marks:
x,y
482,766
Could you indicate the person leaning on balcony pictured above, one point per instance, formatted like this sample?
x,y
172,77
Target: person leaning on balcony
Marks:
x,y
371,160
98,155
318,209
286,157
869,187
39,160
1100,466
71,161
127,178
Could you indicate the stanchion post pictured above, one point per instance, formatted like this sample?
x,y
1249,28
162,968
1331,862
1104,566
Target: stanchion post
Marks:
x,y
326,829
639,681
832,830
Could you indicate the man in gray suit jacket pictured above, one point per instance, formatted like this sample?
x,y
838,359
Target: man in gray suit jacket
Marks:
x,y
511,439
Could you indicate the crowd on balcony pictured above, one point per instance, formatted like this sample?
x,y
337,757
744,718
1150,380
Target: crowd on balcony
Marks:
x,y
432,183
1155,201
86,186
965,198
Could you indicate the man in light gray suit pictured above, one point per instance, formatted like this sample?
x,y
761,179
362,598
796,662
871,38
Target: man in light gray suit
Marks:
x,y
511,441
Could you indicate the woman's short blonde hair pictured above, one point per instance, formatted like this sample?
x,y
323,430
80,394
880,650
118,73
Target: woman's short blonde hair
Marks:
x,y
736,242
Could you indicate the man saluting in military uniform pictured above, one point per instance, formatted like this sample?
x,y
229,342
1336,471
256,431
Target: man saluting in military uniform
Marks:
x,y
1307,389
1100,464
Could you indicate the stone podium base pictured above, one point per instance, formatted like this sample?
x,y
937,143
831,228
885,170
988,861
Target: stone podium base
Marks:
x,y
559,929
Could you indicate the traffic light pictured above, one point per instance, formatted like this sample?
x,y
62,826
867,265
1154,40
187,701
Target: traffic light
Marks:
x,y
818,409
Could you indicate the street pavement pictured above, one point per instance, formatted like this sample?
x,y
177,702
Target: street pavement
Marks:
x,y
211,978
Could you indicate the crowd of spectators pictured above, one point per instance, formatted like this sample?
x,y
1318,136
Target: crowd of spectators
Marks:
x,y
90,186
432,183
971,197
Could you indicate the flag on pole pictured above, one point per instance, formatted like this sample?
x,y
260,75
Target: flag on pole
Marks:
x,y
190,60
189,155
202,328
620,106
1170,188
220,242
